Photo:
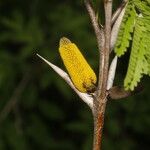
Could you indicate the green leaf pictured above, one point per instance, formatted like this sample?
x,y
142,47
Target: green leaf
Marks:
x,y
126,28
143,7
136,21
138,64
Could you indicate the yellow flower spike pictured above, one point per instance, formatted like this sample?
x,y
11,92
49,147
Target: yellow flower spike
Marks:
x,y
81,74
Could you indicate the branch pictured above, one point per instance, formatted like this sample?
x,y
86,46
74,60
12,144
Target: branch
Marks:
x,y
104,65
100,40
98,32
87,98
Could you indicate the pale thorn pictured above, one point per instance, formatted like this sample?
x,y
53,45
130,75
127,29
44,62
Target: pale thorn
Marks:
x,y
111,73
115,29
87,98
118,11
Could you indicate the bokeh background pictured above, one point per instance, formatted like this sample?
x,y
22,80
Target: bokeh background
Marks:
x,y
38,110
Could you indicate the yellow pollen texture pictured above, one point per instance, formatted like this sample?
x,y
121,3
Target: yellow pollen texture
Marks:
x,y
80,72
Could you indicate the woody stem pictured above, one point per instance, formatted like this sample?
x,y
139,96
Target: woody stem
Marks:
x,y
103,41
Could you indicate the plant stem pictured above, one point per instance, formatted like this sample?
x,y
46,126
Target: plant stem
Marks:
x,y
103,41
101,98
98,127
98,32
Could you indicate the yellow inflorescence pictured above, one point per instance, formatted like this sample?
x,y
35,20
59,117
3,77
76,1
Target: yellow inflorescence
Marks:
x,y
82,75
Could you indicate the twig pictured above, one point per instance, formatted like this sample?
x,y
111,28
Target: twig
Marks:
x,y
103,73
99,32
87,98
100,40
15,97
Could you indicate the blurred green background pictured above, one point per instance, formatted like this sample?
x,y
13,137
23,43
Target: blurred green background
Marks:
x,y
38,110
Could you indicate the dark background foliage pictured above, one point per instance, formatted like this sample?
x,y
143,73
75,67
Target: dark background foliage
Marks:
x,y
37,108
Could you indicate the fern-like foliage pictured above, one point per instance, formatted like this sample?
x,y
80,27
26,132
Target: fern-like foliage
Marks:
x,y
143,6
139,63
126,29
147,42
